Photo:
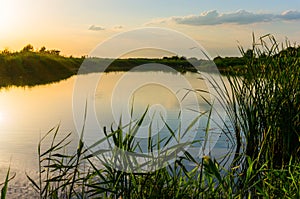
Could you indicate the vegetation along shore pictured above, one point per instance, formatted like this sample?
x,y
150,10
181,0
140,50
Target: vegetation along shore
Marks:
x,y
29,67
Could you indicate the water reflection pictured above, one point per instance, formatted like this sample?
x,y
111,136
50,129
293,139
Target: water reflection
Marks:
x,y
28,113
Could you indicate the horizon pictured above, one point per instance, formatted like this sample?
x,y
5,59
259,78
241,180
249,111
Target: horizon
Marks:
x,y
76,28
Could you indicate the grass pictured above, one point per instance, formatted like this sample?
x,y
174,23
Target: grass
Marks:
x,y
268,101
78,176
263,107
5,184
264,110
30,68
33,68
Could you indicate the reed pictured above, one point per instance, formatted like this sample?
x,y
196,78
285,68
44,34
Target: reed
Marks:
x,y
5,184
268,101
263,107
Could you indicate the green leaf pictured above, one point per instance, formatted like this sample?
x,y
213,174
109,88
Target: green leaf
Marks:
x,y
4,188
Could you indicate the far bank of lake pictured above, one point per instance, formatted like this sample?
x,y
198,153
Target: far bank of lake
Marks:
x,y
28,68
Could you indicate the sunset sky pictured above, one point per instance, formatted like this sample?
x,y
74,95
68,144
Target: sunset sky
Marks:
x,y
76,27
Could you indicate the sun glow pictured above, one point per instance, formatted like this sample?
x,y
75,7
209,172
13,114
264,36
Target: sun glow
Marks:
x,y
7,15
1,117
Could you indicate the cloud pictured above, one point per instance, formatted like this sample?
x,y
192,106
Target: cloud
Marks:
x,y
118,27
240,17
96,28
290,15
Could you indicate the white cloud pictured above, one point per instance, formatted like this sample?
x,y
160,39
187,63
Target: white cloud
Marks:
x,y
96,28
238,17
290,15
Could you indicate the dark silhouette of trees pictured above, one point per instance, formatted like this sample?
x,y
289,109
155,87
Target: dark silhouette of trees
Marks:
x,y
5,51
54,52
27,48
43,49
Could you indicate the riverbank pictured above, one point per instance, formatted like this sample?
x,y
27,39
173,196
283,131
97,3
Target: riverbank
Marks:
x,y
30,68
34,68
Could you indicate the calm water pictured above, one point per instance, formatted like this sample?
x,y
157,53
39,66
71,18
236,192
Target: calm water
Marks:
x,y
28,113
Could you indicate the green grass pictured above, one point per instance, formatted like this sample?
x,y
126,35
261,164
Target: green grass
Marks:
x,y
5,184
77,175
33,68
264,110
268,101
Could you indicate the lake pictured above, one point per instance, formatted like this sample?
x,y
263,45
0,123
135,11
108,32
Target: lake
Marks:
x,y
26,114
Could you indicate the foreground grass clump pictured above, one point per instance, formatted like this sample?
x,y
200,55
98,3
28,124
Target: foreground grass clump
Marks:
x,y
266,102
264,109
78,175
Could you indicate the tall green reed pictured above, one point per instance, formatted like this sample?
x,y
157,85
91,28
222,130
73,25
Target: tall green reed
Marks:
x,y
268,99
5,184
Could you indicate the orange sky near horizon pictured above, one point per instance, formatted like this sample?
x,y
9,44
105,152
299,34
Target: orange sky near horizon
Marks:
x,y
77,27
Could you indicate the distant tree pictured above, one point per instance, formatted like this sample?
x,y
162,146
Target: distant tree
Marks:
x,y
219,61
182,58
218,58
192,59
27,48
43,49
6,51
175,57
54,52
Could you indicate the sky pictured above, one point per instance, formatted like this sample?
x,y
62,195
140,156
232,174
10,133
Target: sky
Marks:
x,y
76,27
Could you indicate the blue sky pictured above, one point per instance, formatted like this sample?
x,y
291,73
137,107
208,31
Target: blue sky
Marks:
x,y
76,27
